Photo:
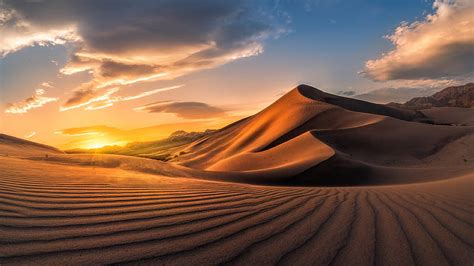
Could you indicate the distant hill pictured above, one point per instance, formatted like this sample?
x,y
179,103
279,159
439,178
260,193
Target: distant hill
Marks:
x,y
456,96
12,146
159,149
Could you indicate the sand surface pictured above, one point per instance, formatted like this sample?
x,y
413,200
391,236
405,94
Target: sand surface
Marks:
x,y
451,115
61,214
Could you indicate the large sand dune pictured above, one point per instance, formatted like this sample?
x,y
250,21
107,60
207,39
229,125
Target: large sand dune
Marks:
x,y
354,143
341,182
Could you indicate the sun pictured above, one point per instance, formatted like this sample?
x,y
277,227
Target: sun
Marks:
x,y
96,145
100,143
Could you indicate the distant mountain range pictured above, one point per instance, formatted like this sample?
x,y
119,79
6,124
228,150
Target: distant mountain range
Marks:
x,y
456,96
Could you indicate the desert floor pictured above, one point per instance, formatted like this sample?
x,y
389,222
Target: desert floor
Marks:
x,y
55,213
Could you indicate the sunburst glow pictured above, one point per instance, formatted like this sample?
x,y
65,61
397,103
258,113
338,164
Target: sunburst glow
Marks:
x,y
100,143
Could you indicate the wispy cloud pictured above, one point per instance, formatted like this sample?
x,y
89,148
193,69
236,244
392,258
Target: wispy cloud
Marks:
x,y
404,90
46,85
93,100
400,95
35,101
186,110
29,135
85,131
87,96
438,47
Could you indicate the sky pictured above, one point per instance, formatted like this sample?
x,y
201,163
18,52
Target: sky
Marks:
x,y
84,74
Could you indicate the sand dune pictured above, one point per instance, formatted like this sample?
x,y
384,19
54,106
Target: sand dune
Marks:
x,y
451,115
355,143
256,133
11,146
309,149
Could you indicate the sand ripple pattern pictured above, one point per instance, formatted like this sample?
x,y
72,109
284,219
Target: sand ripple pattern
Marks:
x,y
79,219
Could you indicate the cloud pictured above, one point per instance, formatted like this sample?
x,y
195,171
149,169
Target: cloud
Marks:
x,y
35,101
438,47
94,100
112,69
81,97
399,95
46,85
403,90
91,130
186,110
138,41
346,93
29,135
18,32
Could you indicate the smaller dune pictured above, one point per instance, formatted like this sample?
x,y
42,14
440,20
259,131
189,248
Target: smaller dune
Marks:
x,y
272,161
451,115
12,146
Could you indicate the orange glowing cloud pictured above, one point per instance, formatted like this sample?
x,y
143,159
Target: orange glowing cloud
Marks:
x,y
93,100
438,47
30,135
186,110
35,101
